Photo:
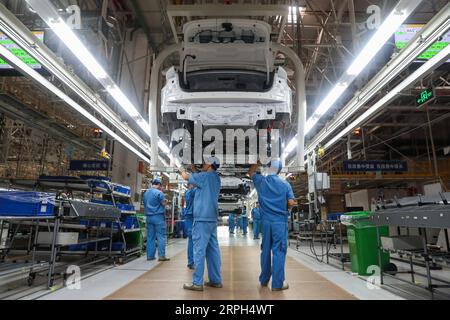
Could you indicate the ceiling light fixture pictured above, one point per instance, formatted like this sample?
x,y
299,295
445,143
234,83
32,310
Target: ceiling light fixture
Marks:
x,y
28,71
428,66
50,15
398,15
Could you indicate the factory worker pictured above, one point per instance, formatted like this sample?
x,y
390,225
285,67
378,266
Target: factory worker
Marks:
x,y
155,212
231,224
275,196
256,217
189,220
244,222
239,222
204,230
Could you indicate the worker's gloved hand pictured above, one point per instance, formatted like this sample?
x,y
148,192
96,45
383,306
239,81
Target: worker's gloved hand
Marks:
x,y
182,169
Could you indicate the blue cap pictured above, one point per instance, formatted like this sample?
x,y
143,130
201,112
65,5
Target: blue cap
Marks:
x,y
156,181
214,162
275,166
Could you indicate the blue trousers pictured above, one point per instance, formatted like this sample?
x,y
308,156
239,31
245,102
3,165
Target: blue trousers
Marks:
x,y
206,246
274,242
244,225
190,248
179,229
256,227
185,226
156,230
239,222
231,224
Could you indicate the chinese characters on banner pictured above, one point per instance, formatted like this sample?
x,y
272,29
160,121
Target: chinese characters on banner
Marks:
x,y
375,165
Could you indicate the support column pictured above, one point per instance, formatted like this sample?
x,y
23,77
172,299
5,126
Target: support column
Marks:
x,y
153,103
301,100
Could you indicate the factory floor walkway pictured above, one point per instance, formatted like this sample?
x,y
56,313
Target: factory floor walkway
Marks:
x,y
240,270
141,279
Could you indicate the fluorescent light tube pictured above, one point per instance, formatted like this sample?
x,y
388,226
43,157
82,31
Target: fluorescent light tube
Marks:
x,y
398,15
21,66
50,15
419,73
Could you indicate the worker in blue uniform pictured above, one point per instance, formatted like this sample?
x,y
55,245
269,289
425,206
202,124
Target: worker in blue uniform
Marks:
x,y
275,197
244,222
231,223
189,220
204,230
256,217
155,212
239,222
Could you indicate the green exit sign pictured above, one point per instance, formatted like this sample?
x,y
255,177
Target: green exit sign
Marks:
x,y
425,96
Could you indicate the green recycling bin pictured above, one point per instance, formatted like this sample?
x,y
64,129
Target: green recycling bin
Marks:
x,y
362,242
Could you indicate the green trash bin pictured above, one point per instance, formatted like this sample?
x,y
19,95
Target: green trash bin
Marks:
x,y
362,242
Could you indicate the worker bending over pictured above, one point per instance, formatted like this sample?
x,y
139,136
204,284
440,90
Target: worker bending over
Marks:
x,y
256,217
155,212
275,195
204,230
231,223
189,220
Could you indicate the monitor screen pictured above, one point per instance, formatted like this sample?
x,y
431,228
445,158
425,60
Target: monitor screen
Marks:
x,y
19,52
407,31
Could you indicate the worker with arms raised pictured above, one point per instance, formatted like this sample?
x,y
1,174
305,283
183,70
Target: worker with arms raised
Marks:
x,y
275,196
155,212
204,230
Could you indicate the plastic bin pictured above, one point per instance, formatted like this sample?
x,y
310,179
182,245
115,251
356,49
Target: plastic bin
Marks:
x,y
334,216
130,222
126,207
24,203
362,242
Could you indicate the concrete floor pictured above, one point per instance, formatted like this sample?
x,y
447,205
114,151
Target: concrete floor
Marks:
x,y
308,278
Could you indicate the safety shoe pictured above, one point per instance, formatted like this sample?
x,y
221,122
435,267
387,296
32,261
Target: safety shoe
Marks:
x,y
213,285
163,259
264,284
150,259
284,287
191,266
192,287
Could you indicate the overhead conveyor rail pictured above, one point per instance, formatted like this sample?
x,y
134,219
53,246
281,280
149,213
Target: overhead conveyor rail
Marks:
x,y
17,31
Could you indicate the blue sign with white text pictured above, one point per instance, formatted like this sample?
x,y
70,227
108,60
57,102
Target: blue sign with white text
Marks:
x,y
375,165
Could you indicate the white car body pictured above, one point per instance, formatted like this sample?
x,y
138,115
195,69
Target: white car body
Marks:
x,y
227,78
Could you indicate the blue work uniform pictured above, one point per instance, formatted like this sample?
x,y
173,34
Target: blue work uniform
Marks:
x,y
204,230
156,222
239,222
231,224
189,220
273,196
256,216
244,222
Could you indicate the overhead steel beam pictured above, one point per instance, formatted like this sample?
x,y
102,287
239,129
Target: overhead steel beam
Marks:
x,y
423,39
426,68
18,32
16,110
